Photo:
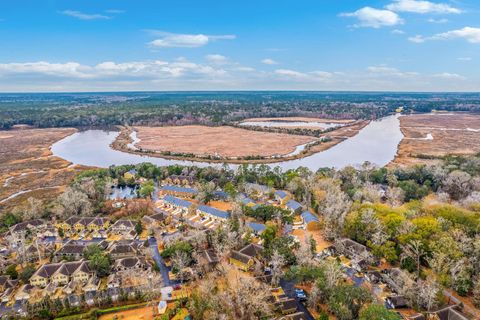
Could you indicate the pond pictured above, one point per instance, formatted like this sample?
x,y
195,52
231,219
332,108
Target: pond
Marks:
x,y
377,143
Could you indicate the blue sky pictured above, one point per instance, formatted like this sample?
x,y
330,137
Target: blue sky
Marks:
x,y
91,45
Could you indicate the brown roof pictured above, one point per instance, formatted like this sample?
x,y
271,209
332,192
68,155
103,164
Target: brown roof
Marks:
x,y
252,250
237,255
25,225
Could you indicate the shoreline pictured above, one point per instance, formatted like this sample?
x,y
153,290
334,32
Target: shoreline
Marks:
x,y
124,139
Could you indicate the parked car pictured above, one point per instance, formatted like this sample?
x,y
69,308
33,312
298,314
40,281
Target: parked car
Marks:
x,y
300,294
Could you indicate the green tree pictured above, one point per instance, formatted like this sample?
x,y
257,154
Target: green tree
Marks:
x,y
26,273
11,271
146,189
377,312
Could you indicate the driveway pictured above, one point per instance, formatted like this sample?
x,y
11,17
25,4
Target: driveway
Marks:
x,y
289,288
152,241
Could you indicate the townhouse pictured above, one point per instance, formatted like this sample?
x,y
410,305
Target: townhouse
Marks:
x,y
246,258
60,274
178,191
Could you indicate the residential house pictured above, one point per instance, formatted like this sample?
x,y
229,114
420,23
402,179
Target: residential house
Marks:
x,y
177,191
180,180
246,258
19,232
83,224
257,190
154,221
281,196
295,316
256,227
131,264
358,253
60,274
123,227
7,288
208,260
70,251
179,205
212,213
125,248
129,175
310,221
287,305
293,206
447,313
396,302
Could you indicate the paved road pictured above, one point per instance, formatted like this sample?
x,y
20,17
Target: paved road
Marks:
x,y
288,287
152,241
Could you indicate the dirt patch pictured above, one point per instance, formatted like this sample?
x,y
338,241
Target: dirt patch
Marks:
x,y
27,167
430,136
217,141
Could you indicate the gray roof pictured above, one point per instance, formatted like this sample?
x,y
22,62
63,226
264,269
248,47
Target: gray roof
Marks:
x,y
177,202
293,205
215,212
178,189
309,217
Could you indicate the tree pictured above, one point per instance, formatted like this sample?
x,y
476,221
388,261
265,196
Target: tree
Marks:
x,y
138,228
476,293
34,209
457,184
415,251
74,202
378,312
98,261
346,301
180,260
11,271
26,273
277,262
427,293
146,189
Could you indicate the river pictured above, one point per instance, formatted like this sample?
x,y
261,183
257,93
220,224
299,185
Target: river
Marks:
x,y
376,143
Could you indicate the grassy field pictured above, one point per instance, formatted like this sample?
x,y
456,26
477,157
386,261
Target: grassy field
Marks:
x,y
437,135
27,167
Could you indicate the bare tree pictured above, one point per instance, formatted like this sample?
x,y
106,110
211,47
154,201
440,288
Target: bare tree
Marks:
x,y
180,260
395,196
33,209
427,293
457,184
415,251
74,202
277,262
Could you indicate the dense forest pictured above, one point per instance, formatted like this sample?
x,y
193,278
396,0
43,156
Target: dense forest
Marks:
x,y
212,108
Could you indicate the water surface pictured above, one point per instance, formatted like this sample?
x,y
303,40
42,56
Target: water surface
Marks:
x,y
376,143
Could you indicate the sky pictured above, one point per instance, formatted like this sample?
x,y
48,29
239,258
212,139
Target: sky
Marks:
x,y
347,45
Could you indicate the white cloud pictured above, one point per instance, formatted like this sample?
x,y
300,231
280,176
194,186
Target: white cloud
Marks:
x,y
397,31
216,58
114,11
470,34
438,21
69,69
269,61
417,39
464,59
375,18
313,76
384,70
85,16
449,76
422,7
177,40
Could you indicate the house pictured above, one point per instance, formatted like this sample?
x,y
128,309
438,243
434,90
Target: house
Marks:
x,y
70,251
81,224
181,180
256,227
177,191
208,260
123,227
396,302
129,175
295,316
448,313
35,251
154,221
125,248
293,206
246,258
60,274
19,232
310,221
131,264
23,293
287,305
212,213
173,203
355,251
280,196
6,284
258,190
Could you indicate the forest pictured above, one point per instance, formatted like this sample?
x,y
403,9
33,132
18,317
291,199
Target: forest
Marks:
x,y
211,108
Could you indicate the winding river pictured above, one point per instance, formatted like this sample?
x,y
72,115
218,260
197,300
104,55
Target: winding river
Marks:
x,y
376,143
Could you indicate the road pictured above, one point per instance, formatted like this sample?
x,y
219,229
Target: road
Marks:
x,y
289,288
152,241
